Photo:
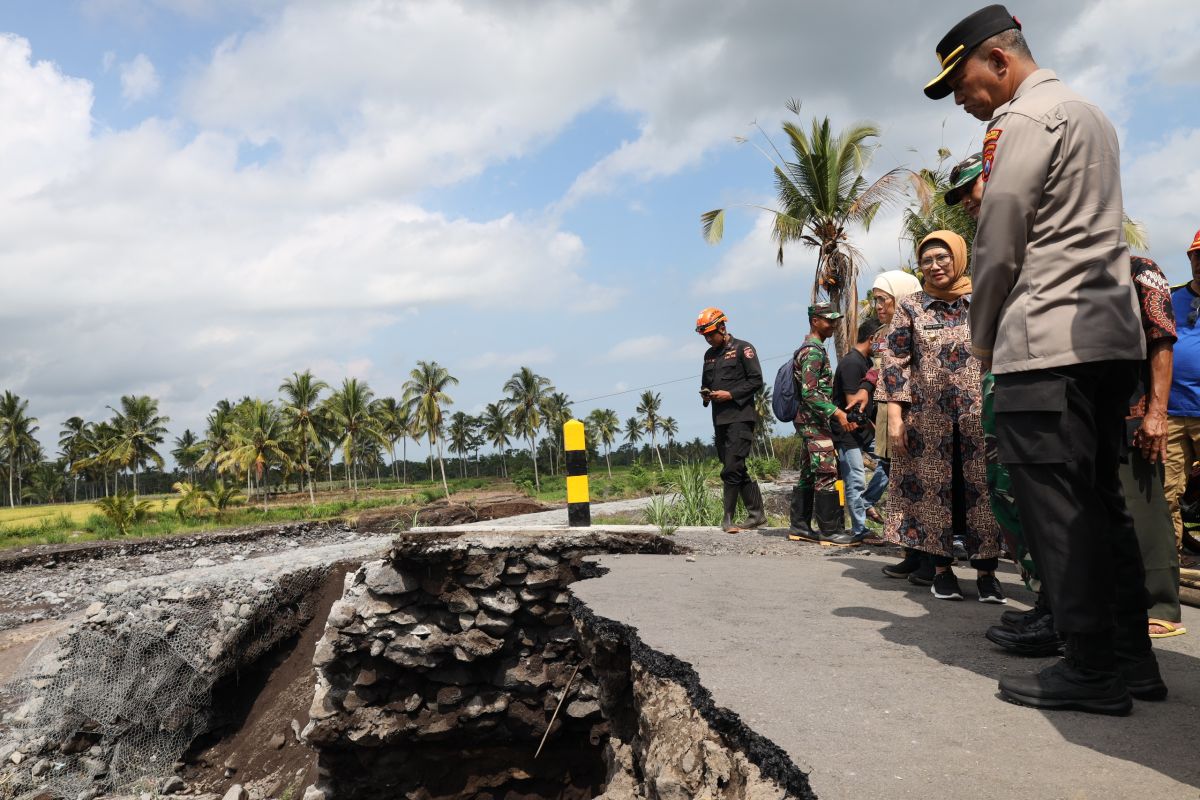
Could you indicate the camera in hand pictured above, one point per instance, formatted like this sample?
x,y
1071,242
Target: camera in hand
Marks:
x,y
857,417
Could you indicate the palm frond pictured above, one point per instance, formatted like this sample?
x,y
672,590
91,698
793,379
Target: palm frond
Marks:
x,y
712,225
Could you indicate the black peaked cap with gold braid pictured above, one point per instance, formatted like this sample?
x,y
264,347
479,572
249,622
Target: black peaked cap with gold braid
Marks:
x,y
965,37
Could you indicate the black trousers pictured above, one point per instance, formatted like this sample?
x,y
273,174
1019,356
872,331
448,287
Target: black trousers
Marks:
x,y
1061,434
733,448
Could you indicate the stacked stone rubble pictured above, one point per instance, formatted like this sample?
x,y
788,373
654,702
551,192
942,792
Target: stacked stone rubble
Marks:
x,y
458,650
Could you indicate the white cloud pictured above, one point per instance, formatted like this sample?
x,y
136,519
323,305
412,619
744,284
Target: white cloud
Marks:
x,y
49,121
149,259
139,79
654,349
522,358
156,257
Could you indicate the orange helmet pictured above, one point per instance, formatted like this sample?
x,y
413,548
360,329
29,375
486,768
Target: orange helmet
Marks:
x,y
708,320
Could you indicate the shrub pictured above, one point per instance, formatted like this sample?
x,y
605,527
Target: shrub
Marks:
x,y
697,502
123,510
763,469
786,448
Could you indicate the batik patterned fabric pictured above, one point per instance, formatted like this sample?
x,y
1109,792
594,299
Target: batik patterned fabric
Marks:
x,y
927,364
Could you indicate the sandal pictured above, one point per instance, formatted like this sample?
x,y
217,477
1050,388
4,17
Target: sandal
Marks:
x,y
1169,629
874,515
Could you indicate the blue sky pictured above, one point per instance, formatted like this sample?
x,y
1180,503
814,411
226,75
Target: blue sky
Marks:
x,y
203,196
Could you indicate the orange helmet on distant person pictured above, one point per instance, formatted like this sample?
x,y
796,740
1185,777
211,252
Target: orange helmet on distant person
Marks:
x,y
708,320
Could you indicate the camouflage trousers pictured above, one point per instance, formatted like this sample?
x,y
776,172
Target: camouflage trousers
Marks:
x,y
818,460
1004,505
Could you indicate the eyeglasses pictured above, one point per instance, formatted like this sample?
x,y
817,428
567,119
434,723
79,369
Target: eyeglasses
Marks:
x,y
942,261
1195,312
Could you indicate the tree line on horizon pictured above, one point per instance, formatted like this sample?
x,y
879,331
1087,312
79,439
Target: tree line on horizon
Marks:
x,y
313,427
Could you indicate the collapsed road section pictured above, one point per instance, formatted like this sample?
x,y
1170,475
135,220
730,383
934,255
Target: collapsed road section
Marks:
x,y
457,665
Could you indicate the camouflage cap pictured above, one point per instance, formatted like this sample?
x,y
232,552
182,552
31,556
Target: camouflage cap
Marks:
x,y
962,177
824,311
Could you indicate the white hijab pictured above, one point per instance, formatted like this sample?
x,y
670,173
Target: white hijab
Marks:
x,y
898,283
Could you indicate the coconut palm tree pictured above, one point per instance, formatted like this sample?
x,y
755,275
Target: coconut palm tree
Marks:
x,y
387,412
762,408
822,196
648,406
633,432
604,425
496,429
349,409
301,399
425,395
258,440
140,428
526,391
187,451
670,429
72,443
460,435
17,431
556,410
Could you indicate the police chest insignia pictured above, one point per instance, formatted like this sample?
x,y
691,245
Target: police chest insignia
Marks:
x,y
989,151
749,351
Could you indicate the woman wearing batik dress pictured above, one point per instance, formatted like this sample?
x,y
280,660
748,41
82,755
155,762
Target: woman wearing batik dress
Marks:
x,y
931,383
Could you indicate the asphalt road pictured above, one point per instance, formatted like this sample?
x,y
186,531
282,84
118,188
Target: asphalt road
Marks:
x,y
881,691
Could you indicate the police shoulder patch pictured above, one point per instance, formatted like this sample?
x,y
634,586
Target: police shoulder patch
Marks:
x,y
989,151
749,352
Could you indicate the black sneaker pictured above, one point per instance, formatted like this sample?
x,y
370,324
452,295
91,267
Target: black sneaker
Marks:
x,y
923,575
989,589
945,586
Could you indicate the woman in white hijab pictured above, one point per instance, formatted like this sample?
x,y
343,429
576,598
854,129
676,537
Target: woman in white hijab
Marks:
x,y
889,288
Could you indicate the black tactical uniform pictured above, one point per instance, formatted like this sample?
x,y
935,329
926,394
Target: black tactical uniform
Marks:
x,y
734,368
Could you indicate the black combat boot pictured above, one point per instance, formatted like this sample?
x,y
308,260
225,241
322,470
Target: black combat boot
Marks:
x,y
1021,619
800,515
831,520
1035,638
730,499
1086,679
1135,657
753,500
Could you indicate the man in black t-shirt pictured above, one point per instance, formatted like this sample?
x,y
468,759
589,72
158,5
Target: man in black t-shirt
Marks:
x,y
851,376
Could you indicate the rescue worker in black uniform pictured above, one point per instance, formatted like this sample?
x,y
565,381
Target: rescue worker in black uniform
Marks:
x,y
731,379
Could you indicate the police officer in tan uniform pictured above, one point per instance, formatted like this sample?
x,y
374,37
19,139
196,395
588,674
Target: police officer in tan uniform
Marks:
x,y
1055,315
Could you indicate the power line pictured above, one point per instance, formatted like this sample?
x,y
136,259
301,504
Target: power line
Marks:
x,y
655,385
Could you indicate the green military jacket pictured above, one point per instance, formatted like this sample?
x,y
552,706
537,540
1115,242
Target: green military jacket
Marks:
x,y
814,383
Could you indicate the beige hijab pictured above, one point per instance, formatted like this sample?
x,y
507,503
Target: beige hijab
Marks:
x,y
958,251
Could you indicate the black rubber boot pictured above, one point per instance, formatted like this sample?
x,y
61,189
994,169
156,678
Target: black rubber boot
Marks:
x,y
831,520
752,499
730,500
1021,619
1036,638
1086,679
800,515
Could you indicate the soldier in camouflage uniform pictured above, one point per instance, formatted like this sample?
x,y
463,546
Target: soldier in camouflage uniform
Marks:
x,y
816,492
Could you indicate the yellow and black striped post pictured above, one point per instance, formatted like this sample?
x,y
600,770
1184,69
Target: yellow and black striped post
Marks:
x,y
579,507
